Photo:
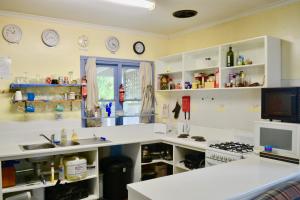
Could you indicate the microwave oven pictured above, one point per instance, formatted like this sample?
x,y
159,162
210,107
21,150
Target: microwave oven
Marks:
x,y
283,137
281,104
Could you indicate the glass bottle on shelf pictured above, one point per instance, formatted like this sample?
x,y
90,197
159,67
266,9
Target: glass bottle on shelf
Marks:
x,y
230,58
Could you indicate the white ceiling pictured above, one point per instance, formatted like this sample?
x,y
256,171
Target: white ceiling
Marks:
x,y
158,21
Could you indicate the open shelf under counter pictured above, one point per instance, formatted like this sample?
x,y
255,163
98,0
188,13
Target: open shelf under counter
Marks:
x,y
240,67
181,166
158,161
91,197
39,184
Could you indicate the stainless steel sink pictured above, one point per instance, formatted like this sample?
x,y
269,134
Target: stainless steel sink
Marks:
x,y
92,141
68,144
37,146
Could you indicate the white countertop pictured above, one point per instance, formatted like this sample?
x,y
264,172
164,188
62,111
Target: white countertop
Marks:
x,y
235,180
226,181
10,147
142,133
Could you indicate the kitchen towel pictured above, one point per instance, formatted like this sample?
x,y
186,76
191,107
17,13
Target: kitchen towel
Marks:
x,y
146,80
92,87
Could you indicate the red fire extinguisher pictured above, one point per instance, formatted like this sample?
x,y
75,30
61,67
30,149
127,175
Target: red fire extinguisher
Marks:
x,y
121,93
83,87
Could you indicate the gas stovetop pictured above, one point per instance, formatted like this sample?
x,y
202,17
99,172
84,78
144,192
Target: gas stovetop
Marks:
x,y
235,147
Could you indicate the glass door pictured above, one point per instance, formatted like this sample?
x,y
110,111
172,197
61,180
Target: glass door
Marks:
x,y
106,80
132,86
110,76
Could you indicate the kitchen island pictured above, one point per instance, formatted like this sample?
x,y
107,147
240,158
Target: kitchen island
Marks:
x,y
235,180
242,179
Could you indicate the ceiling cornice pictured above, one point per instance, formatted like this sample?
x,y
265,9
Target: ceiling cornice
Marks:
x,y
252,12
144,33
77,23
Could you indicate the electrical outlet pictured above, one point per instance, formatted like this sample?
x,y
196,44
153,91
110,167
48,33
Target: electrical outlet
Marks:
x,y
165,111
221,108
254,109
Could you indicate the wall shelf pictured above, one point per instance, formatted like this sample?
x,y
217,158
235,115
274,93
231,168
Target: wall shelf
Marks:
x,y
211,89
48,101
263,51
241,67
32,85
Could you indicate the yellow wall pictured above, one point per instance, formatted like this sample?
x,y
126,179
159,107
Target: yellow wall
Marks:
x,y
32,56
282,22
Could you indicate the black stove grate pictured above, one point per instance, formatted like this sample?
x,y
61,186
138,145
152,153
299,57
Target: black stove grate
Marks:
x,y
233,147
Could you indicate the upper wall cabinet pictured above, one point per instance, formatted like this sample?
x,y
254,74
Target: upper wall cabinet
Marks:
x,y
256,64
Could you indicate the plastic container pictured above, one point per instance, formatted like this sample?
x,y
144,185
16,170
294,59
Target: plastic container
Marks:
x,y
75,168
8,174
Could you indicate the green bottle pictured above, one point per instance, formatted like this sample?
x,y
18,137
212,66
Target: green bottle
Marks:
x,y
230,58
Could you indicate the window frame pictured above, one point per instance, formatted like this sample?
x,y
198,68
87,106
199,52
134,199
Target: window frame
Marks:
x,y
118,65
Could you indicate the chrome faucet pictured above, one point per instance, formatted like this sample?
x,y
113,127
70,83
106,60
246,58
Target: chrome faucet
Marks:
x,y
50,140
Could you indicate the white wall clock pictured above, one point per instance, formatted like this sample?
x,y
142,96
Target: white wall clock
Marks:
x,y
83,41
139,47
12,33
112,44
50,37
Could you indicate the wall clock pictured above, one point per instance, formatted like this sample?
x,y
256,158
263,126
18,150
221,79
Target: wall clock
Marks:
x,y
83,41
112,44
139,47
50,37
12,33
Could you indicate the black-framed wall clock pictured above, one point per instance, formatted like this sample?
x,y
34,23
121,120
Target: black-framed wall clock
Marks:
x,y
139,47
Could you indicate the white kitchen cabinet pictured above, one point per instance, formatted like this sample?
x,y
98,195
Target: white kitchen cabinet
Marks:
x,y
264,52
92,178
178,152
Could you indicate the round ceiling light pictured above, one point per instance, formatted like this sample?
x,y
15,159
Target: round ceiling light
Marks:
x,y
185,13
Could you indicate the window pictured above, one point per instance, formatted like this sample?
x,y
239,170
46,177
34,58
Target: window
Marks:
x,y
110,75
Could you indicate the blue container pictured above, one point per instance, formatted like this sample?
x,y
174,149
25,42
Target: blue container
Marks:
x,y
30,96
268,148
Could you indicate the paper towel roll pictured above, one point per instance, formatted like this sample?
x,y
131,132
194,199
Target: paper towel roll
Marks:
x,y
22,196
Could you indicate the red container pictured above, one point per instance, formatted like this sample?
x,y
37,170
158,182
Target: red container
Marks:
x,y
8,175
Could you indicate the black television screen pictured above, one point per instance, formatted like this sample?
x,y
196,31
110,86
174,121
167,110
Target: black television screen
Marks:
x,y
280,104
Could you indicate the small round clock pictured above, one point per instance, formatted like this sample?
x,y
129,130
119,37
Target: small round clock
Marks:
x,y
112,44
50,37
12,33
139,47
83,41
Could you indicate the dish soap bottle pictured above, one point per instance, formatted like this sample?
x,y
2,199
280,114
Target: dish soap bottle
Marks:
x,y
63,137
74,137
52,172
230,57
61,170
